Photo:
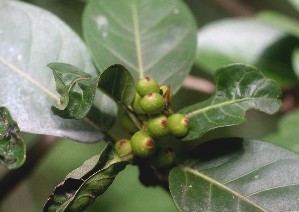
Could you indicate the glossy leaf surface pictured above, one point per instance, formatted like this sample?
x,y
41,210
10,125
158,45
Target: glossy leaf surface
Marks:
x,y
239,88
12,147
118,83
150,38
83,185
77,90
287,134
246,41
237,175
27,86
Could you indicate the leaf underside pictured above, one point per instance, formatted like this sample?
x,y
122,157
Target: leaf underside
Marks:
x,y
12,147
82,186
239,88
237,175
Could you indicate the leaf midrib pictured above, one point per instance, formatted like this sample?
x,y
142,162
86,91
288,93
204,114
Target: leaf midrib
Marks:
x,y
203,110
212,181
34,82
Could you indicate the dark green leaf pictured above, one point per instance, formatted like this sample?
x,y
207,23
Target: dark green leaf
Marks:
x,y
12,148
287,134
77,90
150,38
237,175
246,41
83,185
280,21
27,86
295,61
239,88
118,83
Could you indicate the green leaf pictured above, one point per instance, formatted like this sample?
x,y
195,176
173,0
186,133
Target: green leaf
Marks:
x,y
239,88
270,49
295,61
27,86
280,21
118,83
287,134
83,185
237,175
12,147
150,38
77,90
295,3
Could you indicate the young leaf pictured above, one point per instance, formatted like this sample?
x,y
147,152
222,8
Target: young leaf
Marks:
x,y
12,147
287,134
83,185
237,175
118,83
150,38
27,86
239,88
77,90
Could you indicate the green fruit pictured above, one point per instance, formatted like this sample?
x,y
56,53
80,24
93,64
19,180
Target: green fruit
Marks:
x,y
147,85
142,144
127,123
163,157
123,147
164,89
152,103
136,105
178,125
157,126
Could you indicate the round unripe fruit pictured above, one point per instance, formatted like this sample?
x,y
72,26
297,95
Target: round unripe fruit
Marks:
x,y
127,123
142,144
147,85
152,103
157,126
123,147
163,158
136,105
178,125
164,88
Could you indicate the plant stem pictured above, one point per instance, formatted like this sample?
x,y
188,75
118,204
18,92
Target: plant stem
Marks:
x,y
11,179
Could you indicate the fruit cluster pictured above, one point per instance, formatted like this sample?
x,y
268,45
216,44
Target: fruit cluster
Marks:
x,y
150,119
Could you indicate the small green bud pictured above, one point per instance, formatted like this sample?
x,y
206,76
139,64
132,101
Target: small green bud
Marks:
x,y
142,144
178,125
163,157
152,103
127,123
147,85
136,105
163,90
157,126
123,147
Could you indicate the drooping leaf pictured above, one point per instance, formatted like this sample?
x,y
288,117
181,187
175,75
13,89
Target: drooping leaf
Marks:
x,y
118,83
295,61
237,175
280,21
239,88
287,134
82,186
27,86
12,147
77,90
150,38
246,41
